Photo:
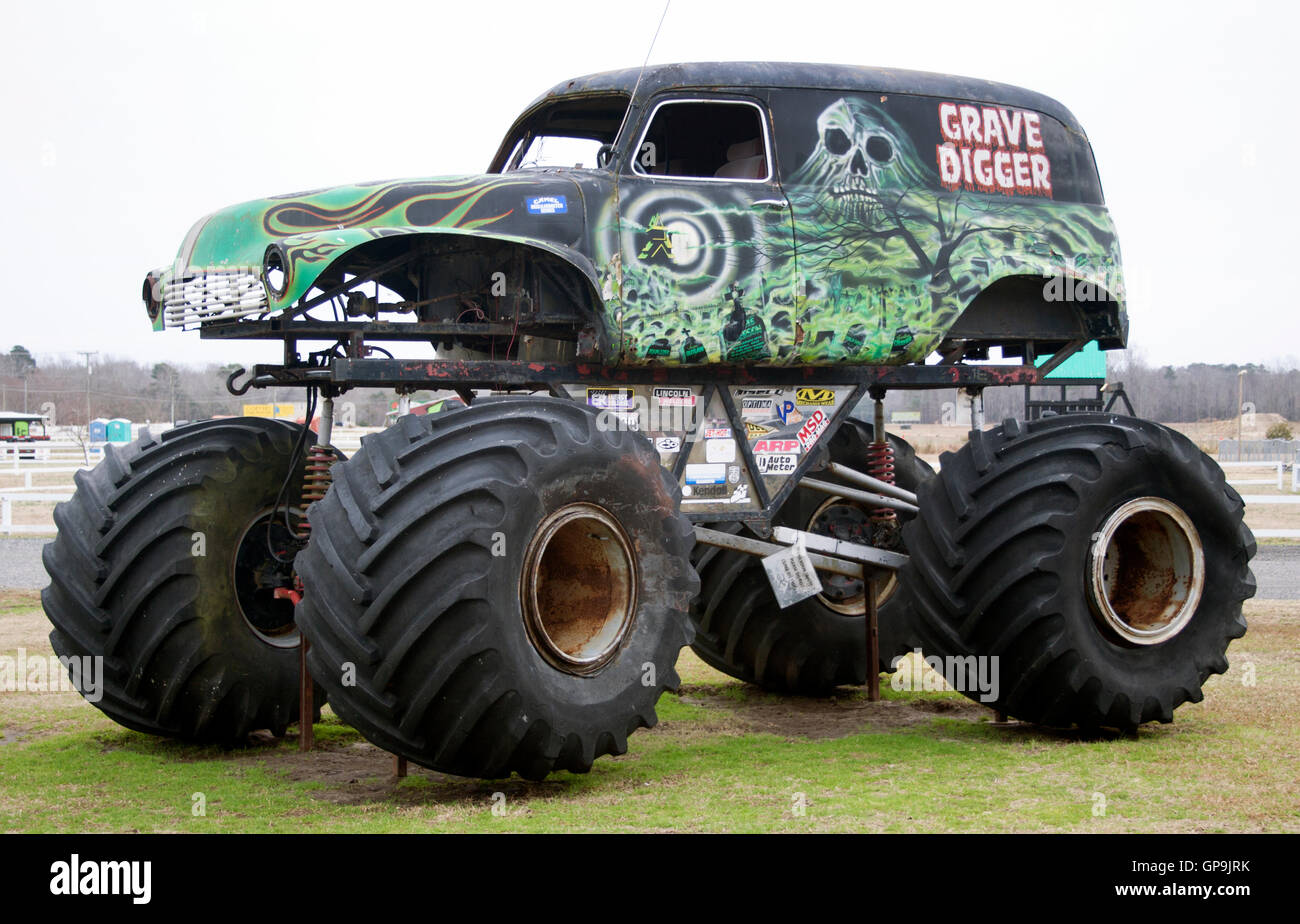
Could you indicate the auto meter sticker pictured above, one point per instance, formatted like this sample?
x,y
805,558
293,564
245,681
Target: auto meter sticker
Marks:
x,y
674,397
757,409
812,429
667,444
754,431
776,463
788,413
698,474
814,396
609,398
720,450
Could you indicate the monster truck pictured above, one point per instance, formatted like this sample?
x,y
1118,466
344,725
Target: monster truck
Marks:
x,y
662,306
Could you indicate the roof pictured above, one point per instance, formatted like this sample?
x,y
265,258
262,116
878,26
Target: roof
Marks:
x,y
813,76
10,416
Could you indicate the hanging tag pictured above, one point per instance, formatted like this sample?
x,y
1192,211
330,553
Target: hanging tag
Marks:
x,y
791,574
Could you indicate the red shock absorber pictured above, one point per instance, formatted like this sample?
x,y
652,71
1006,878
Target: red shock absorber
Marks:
x,y
315,482
880,464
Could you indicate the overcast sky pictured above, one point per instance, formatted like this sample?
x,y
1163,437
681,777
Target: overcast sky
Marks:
x,y
127,121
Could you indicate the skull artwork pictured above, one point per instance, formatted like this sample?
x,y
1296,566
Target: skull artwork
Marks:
x,y
860,154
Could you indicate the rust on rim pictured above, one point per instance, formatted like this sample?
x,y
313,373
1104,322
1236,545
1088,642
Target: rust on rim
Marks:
x,y
1146,571
850,522
578,588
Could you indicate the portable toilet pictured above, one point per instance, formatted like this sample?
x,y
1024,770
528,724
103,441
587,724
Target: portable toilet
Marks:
x,y
98,430
119,430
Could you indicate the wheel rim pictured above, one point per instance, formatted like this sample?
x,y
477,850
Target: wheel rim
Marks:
x,y
850,522
578,588
257,574
1147,571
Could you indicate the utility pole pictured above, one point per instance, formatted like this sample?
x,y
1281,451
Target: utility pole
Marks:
x,y
88,354
1241,404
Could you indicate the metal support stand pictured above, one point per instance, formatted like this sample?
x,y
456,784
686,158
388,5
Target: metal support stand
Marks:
x,y
873,641
306,706
399,766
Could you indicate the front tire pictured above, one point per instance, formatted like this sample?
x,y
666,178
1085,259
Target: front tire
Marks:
x,y
1101,560
502,588
161,567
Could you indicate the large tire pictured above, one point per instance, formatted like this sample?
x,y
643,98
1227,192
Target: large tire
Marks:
x,y
154,554
819,643
1001,566
413,604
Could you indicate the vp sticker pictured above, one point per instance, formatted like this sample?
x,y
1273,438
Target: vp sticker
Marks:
x,y
547,205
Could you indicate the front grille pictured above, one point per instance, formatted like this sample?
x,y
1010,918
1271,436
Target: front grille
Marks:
x,y
213,294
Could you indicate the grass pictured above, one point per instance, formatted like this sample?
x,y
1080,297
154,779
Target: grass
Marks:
x,y
725,757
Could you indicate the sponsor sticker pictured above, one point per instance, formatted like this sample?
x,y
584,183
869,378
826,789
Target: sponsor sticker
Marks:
x,y
609,398
741,494
667,444
776,446
733,474
717,433
753,430
700,474
788,413
757,392
822,397
757,408
812,429
674,397
776,463
547,205
720,450
622,420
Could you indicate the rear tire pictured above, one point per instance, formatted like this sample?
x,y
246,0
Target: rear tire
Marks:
x,y
819,643
426,557
159,567
1017,525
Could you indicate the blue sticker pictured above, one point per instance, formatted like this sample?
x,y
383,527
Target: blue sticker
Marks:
x,y
547,205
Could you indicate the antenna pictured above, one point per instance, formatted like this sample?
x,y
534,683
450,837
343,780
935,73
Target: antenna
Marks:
x,y
641,73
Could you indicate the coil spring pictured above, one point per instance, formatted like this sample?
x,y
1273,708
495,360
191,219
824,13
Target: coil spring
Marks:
x,y
880,465
315,482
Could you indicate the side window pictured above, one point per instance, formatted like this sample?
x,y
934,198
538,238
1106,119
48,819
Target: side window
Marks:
x,y
705,140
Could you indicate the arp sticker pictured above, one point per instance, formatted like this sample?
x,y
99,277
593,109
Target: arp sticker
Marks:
x,y
720,450
788,413
667,444
820,397
812,428
776,446
776,463
674,397
547,205
609,398
757,409
754,431
700,474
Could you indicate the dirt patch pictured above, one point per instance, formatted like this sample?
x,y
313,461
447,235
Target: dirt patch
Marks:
x,y
834,717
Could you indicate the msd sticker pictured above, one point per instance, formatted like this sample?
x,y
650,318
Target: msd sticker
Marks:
x,y
812,429
547,205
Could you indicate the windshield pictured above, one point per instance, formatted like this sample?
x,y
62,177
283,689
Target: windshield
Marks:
x,y
564,133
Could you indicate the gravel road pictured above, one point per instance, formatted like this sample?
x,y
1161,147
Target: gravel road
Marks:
x,y
1276,567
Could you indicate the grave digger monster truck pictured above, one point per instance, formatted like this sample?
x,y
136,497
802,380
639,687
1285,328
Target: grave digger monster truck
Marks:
x,y
680,283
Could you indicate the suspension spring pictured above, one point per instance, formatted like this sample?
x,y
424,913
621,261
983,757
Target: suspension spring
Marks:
x,y
880,464
315,483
